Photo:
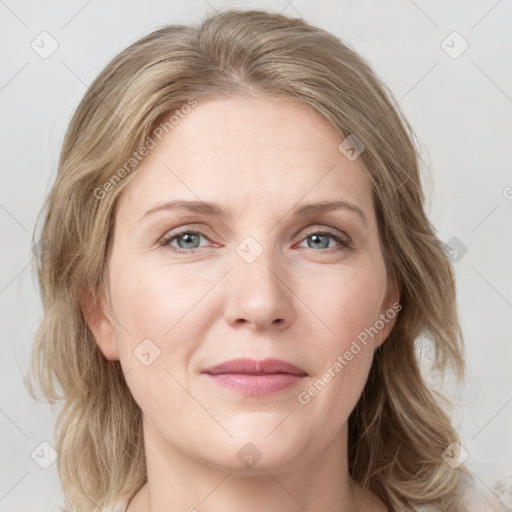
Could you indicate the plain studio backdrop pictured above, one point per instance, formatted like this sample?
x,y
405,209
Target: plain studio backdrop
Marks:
x,y
448,64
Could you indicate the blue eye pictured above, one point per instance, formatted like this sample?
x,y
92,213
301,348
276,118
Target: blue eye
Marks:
x,y
187,241
320,240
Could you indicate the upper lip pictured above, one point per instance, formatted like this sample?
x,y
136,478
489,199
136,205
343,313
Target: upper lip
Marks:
x,y
254,367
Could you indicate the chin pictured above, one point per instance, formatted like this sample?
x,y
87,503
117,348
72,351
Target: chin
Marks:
x,y
260,449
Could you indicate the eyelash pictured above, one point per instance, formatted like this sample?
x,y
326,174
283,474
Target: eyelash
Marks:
x,y
343,242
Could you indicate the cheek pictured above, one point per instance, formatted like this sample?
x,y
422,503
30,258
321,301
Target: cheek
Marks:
x,y
345,303
155,318
155,305
349,308
167,303
153,301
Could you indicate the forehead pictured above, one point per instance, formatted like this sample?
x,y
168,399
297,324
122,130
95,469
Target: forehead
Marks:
x,y
248,152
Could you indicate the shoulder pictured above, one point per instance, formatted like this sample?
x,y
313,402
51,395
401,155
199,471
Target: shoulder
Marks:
x,y
476,498
480,498
119,507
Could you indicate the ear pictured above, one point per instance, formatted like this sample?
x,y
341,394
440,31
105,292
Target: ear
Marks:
x,y
101,324
389,311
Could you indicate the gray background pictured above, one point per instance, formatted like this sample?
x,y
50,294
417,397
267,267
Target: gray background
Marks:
x,y
459,105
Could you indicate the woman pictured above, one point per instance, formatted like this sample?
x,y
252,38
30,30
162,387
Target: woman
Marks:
x,y
237,269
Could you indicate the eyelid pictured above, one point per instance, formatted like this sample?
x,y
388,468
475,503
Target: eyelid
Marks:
x,y
328,231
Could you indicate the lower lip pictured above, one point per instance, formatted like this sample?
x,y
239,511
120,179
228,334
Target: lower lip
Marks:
x,y
257,385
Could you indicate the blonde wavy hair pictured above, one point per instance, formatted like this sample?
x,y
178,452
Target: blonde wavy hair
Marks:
x,y
398,430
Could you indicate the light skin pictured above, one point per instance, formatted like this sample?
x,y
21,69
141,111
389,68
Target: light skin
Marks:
x,y
304,300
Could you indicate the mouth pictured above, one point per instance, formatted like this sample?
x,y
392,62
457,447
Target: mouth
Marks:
x,y
256,378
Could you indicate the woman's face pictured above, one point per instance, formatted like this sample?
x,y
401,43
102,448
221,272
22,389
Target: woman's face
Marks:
x,y
273,278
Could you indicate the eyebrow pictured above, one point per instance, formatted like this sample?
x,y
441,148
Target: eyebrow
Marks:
x,y
215,210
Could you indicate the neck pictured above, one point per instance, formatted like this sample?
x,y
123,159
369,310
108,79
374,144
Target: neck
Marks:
x,y
178,481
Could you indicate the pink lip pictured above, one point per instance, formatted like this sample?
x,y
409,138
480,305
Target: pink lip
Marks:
x,y
256,378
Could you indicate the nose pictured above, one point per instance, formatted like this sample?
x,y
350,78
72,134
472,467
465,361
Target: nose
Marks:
x,y
259,294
